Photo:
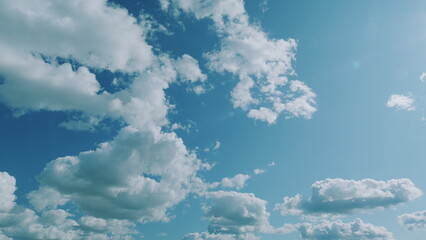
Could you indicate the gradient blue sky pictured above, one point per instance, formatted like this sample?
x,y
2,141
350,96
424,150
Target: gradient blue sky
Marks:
x,y
352,54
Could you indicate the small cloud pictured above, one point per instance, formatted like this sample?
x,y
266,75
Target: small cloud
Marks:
x,y
271,164
399,101
258,171
237,182
162,234
413,221
214,147
422,77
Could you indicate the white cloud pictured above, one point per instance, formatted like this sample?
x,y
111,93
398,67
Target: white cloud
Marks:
x,y
422,77
402,102
7,192
271,164
220,236
238,181
23,223
413,221
356,230
258,171
110,39
140,165
214,147
262,64
263,114
137,167
340,196
236,213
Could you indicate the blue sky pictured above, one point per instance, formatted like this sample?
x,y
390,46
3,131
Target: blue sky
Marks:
x,y
212,120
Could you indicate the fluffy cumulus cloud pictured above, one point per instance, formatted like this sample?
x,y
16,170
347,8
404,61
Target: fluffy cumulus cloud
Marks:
x,y
401,102
413,221
142,175
237,216
237,182
262,64
340,196
356,230
18,222
213,236
51,53
236,213
7,192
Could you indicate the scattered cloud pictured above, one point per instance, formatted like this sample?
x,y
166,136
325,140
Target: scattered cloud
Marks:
x,y
262,64
413,221
213,147
340,196
422,77
236,215
220,236
271,164
356,230
237,182
401,102
258,171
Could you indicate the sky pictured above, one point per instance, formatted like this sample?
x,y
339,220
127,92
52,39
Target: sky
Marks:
x,y
213,119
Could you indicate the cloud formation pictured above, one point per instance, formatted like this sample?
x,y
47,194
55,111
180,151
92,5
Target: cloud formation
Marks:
x,y
262,64
142,175
18,222
238,181
340,196
356,230
401,102
413,221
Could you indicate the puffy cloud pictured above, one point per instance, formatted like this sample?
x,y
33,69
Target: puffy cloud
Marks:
x,y
237,182
95,34
258,171
220,236
413,221
142,176
262,64
263,114
7,192
340,196
238,213
356,230
46,198
23,223
402,102
48,63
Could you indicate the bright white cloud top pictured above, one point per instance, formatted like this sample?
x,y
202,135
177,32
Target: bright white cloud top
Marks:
x,y
401,102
